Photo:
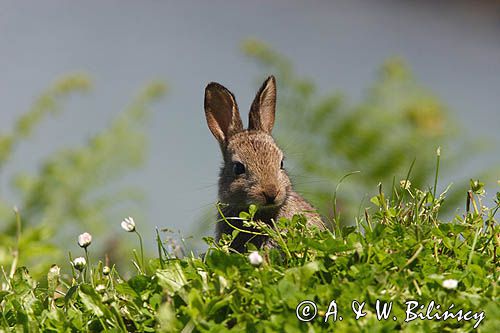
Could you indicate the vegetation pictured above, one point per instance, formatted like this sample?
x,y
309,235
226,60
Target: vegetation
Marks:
x,y
399,252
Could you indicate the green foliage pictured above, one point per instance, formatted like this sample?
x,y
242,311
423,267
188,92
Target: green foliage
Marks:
x,y
73,187
397,121
401,252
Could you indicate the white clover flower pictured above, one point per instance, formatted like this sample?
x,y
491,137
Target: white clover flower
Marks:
x,y
84,239
450,284
128,224
438,151
100,288
106,270
255,258
53,277
55,270
79,263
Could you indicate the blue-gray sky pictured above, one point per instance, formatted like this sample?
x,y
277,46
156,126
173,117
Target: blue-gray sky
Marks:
x,y
453,48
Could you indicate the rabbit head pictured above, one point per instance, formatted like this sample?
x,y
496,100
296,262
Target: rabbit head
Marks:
x,y
252,171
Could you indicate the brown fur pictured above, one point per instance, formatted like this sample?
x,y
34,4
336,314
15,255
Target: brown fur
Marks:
x,y
264,183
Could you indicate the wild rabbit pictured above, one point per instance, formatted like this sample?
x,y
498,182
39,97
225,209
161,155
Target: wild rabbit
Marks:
x,y
252,170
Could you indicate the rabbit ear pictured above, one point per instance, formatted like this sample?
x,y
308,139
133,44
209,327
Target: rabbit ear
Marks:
x,y
221,112
263,108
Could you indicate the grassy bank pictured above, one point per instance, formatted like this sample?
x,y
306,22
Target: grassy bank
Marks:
x,y
399,254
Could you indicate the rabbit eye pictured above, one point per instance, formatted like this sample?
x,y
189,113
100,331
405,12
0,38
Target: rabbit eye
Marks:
x,y
281,165
238,168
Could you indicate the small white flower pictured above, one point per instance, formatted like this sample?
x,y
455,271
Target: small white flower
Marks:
x,y
106,270
438,151
53,277
450,284
100,288
79,263
255,258
55,270
128,224
84,239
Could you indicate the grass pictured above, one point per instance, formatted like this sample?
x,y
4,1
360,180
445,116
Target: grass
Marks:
x,y
398,254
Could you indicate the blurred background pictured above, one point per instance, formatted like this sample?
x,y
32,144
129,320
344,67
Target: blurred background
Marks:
x,y
101,107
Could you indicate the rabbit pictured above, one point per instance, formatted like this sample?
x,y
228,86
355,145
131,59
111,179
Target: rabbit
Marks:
x,y
252,171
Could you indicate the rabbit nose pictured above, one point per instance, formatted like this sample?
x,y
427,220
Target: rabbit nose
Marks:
x,y
270,195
